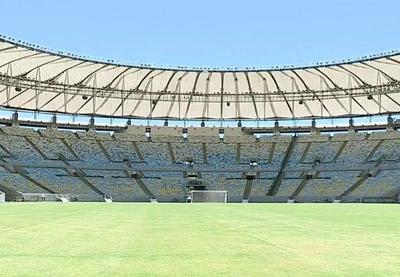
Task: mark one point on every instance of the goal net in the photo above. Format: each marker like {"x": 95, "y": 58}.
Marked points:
{"x": 209, "y": 196}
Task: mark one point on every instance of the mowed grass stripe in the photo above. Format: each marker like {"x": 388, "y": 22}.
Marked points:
{"x": 129, "y": 239}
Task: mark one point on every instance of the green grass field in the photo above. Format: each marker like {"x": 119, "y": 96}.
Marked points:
{"x": 98, "y": 239}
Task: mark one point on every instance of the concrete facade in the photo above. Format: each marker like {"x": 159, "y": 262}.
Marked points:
{"x": 2, "y": 197}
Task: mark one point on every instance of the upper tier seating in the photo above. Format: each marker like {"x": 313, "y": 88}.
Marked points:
{"x": 256, "y": 151}
{"x": 324, "y": 151}
{"x": 185, "y": 150}
{"x": 19, "y": 147}
{"x": 52, "y": 148}
{"x": 389, "y": 149}
{"x": 221, "y": 154}
{"x": 155, "y": 153}
{"x": 279, "y": 151}
{"x": 355, "y": 147}
{"x": 121, "y": 150}
{"x": 87, "y": 149}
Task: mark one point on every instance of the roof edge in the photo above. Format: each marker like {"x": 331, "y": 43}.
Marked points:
{"x": 33, "y": 47}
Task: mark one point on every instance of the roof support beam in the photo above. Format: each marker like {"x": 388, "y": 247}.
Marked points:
{"x": 80, "y": 83}
{"x": 323, "y": 107}
{"x": 38, "y": 66}
{"x": 19, "y": 59}
{"x": 206, "y": 104}
{"x": 237, "y": 98}
{"x": 148, "y": 85}
{"x": 388, "y": 77}
{"x": 133, "y": 91}
{"x": 31, "y": 79}
{"x": 222, "y": 97}
{"x": 98, "y": 91}
{"x": 267, "y": 91}
{"x": 177, "y": 93}
{"x": 281, "y": 93}
{"x": 251, "y": 94}
{"x": 153, "y": 103}
{"x": 339, "y": 88}
{"x": 191, "y": 95}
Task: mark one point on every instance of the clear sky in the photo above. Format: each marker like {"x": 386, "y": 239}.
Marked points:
{"x": 208, "y": 33}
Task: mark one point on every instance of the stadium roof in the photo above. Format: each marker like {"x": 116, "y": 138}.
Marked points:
{"x": 36, "y": 79}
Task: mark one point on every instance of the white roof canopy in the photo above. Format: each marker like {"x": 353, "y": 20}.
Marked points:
{"x": 32, "y": 78}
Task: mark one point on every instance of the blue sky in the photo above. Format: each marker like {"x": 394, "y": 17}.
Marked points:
{"x": 208, "y": 33}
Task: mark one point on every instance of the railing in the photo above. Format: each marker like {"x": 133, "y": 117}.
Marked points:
{"x": 45, "y": 197}
{"x": 24, "y": 83}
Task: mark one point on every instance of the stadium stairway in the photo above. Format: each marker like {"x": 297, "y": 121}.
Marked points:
{"x": 303, "y": 183}
{"x": 238, "y": 149}
{"x": 341, "y": 149}
{"x": 395, "y": 193}
{"x": 204, "y": 149}
{"x": 138, "y": 151}
{"x": 8, "y": 153}
{"x": 104, "y": 150}
{"x": 70, "y": 149}
{"x": 301, "y": 186}
{"x": 11, "y": 194}
{"x": 20, "y": 171}
{"x": 108, "y": 199}
{"x": 139, "y": 181}
{"x": 305, "y": 153}
{"x": 36, "y": 148}
{"x": 278, "y": 180}
{"x": 145, "y": 189}
{"x": 64, "y": 198}
{"x": 364, "y": 177}
{"x": 377, "y": 146}
{"x": 6, "y": 166}
{"x": 271, "y": 154}
{"x": 23, "y": 173}
{"x": 171, "y": 152}
{"x": 81, "y": 175}
{"x": 247, "y": 190}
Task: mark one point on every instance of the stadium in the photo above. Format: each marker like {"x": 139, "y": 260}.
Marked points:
{"x": 119, "y": 169}
{"x": 45, "y": 161}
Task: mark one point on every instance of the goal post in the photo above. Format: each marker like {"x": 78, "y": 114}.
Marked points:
{"x": 209, "y": 196}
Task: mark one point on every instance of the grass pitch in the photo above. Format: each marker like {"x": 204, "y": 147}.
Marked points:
{"x": 98, "y": 239}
